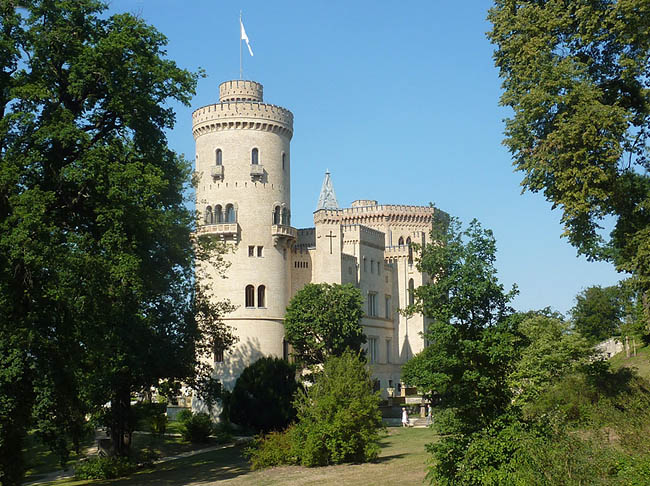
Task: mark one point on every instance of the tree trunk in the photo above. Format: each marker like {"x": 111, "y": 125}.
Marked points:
{"x": 120, "y": 422}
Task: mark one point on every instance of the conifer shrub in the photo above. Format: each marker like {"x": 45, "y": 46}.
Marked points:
{"x": 197, "y": 427}
{"x": 262, "y": 398}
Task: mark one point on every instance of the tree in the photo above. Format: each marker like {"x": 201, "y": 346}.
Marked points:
{"x": 598, "y": 312}
{"x": 576, "y": 75}
{"x": 323, "y": 320}
{"x": 473, "y": 343}
{"x": 338, "y": 416}
{"x": 263, "y": 395}
{"x": 97, "y": 294}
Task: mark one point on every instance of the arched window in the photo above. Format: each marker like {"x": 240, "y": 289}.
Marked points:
{"x": 208, "y": 215}
{"x": 218, "y": 157}
{"x": 411, "y": 290}
{"x": 218, "y": 214}
{"x": 261, "y": 291}
{"x": 284, "y": 159}
{"x": 288, "y": 218}
{"x": 255, "y": 156}
{"x": 401, "y": 241}
{"x": 250, "y": 296}
{"x": 230, "y": 214}
{"x": 285, "y": 216}
{"x": 276, "y": 215}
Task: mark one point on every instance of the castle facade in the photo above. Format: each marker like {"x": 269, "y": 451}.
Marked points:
{"x": 243, "y": 164}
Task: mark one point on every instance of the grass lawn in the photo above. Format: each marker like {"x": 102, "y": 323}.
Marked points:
{"x": 402, "y": 461}
{"x": 641, "y": 361}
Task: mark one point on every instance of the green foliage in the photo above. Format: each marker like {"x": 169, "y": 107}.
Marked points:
{"x": 472, "y": 343}
{"x": 273, "y": 449}
{"x": 576, "y": 76}
{"x": 552, "y": 349}
{"x": 197, "y": 427}
{"x": 263, "y": 395}
{"x": 103, "y": 468}
{"x": 323, "y": 320}
{"x": 338, "y": 416}
{"x": 98, "y": 296}
{"x": 598, "y": 312}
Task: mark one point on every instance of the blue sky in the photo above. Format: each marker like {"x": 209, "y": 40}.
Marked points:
{"x": 399, "y": 101}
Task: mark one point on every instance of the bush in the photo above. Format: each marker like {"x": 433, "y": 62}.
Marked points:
{"x": 151, "y": 416}
{"x": 263, "y": 395}
{"x": 184, "y": 415}
{"x": 197, "y": 427}
{"x": 103, "y": 468}
{"x": 273, "y": 449}
{"x": 338, "y": 416}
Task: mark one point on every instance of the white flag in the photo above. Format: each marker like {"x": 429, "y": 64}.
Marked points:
{"x": 245, "y": 37}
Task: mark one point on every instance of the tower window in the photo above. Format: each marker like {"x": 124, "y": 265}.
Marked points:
{"x": 261, "y": 291}
{"x": 230, "y": 214}
{"x": 372, "y": 266}
{"x": 218, "y": 213}
{"x": 276, "y": 215}
{"x": 208, "y": 215}
{"x": 372, "y": 304}
{"x": 411, "y": 292}
{"x": 251, "y": 251}
{"x": 255, "y": 156}
{"x": 285, "y": 216}
{"x": 372, "y": 350}
{"x": 400, "y": 242}
{"x": 408, "y": 242}
{"x": 218, "y": 157}
{"x": 259, "y": 251}
{"x": 250, "y": 296}
{"x": 218, "y": 354}
{"x": 284, "y": 158}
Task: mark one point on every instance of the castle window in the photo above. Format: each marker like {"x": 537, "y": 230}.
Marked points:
{"x": 259, "y": 251}
{"x": 218, "y": 157}
{"x": 372, "y": 266}
{"x": 389, "y": 345}
{"x": 372, "y": 304}
{"x": 255, "y": 157}
{"x": 401, "y": 241}
{"x": 389, "y": 310}
{"x": 218, "y": 354}
{"x": 408, "y": 242}
{"x": 208, "y": 215}
{"x": 251, "y": 251}
{"x": 230, "y": 214}
{"x": 411, "y": 292}
{"x": 372, "y": 350}
{"x": 250, "y": 296}
{"x": 284, "y": 158}
{"x": 261, "y": 290}
{"x": 285, "y": 216}
{"x": 365, "y": 269}
{"x": 378, "y": 268}
{"x": 276, "y": 215}
{"x": 218, "y": 214}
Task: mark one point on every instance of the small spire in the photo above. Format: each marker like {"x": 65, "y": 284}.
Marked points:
{"x": 327, "y": 198}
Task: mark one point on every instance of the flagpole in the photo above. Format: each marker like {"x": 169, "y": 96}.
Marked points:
{"x": 241, "y": 69}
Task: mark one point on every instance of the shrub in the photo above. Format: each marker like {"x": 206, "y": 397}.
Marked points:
{"x": 197, "y": 427}
{"x": 263, "y": 395}
{"x": 103, "y": 468}
{"x": 273, "y": 449}
{"x": 338, "y": 416}
{"x": 151, "y": 416}
{"x": 184, "y": 415}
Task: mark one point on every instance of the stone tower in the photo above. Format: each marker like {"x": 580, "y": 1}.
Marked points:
{"x": 243, "y": 166}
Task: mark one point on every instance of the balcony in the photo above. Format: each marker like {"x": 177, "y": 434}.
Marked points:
{"x": 216, "y": 171}
{"x": 257, "y": 172}
{"x": 220, "y": 229}
{"x": 283, "y": 234}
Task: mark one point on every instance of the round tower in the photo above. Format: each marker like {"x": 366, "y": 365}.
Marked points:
{"x": 243, "y": 197}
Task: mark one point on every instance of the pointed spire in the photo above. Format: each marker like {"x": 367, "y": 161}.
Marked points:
{"x": 327, "y": 198}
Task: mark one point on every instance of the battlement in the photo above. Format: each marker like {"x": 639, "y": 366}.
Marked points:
{"x": 250, "y": 115}
{"x": 240, "y": 90}
{"x": 364, "y": 235}
{"x": 306, "y": 238}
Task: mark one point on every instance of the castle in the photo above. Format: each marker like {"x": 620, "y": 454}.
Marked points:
{"x": 243, "y": 164}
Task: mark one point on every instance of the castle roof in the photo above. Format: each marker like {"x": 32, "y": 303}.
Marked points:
{"x": 327, "y": 198}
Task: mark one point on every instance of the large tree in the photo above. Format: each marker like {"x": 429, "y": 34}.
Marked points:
{"x": 97, "y": 295}
{"x": 472, "y": 337}
{"x": 598, "y": 313}
{"x": 577, "y": 76}
{"x": 323, "y": 320}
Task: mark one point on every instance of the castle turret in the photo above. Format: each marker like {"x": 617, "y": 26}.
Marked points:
{"x": 243, "y": 195}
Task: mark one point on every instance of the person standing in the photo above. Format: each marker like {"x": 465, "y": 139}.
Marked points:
{"x": 405, "y": 417}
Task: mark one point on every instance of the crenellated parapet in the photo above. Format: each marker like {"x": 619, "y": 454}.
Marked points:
{"x": 242, "y": 115}
{"x": 241, "y": 90}
{"x": 373, "y": 213}
{"x": 362, "y": 234}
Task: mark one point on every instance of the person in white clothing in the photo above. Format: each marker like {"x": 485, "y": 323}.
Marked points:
{"x": 405, "y": 417}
